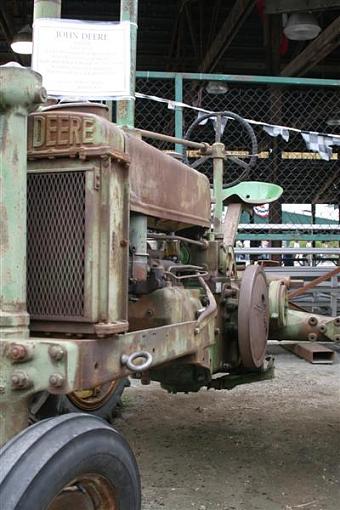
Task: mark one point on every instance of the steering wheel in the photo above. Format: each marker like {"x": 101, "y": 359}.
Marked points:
{"x": 229, "y": 115}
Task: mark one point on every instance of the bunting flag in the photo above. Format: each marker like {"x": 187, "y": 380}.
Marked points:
{"x": 320, "y": 143}
{"x": 277, "y": 131}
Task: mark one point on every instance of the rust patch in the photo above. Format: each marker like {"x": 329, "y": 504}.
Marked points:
{"x": 165, "y": 188}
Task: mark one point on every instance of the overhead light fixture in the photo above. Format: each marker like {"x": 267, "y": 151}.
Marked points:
{"x": 302, "y": 26}
{"x": 334, "y": 119}
{"x": 216, "y": 87}
{"x": 22, "y": 41}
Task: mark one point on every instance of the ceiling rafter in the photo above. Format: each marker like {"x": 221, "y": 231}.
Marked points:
{"x": 226, "y": 34}
{"x": 288, "y": 6}
{"x": 316, "y": 51}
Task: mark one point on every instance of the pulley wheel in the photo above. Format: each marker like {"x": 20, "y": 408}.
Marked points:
{"x": 253, "y": 317}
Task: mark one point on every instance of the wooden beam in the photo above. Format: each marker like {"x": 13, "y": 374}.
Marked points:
{"x": 288, "y": 6}
{"x": 272, "y": 32}
{"x": 191, "y": 30}
{"x": 226, "y": 34}
{"x": 317, "y": 50}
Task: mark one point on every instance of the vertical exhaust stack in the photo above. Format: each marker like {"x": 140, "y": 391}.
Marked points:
{"x": 20, "y": 93}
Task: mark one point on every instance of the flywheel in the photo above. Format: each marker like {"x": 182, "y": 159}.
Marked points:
{"x": 253, "y": 317}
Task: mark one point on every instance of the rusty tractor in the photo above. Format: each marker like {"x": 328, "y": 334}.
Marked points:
{"x": 112, "y": 266}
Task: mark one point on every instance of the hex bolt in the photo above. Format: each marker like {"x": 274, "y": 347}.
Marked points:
{"x": 20, "y": 380}
{"x": 337, "y": 321}
{"x": 312, "y": 321}
{"x": 196, "y": 331}
{"x": 17, "y": 352}
{"x": 323, "y": 328}
{"x": 56, "y": 352}
{"x": 56, "y": 380}
{"x": 312, "y": 337}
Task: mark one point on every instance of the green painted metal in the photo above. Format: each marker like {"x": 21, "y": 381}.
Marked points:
{"x": 252, "y": 192}
{"x": 179, "y": 112}
{"x": 20, "y": 92}
{"x": 35, "y": 371}
{"x": 250, "y": 79}
{"x": 47, "y": 9}
{"x": 298, "y": 327}
{"x": 126, "y": 108}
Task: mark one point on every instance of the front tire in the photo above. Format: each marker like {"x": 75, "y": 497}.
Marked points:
{"x": 69, "y": 462}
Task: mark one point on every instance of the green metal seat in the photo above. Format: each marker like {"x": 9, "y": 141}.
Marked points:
{"x": 252, "y": 192}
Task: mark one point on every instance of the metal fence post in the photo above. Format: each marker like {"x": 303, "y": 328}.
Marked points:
{"x": 47, "y": 9}
{"x": 126, "y": 108}
{"x": 179, "y": 111}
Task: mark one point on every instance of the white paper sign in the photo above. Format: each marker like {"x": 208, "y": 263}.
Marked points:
{"x": 82, "y": 59}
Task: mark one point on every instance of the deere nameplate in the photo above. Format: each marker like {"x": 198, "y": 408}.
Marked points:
{"x": 54, "y": 131}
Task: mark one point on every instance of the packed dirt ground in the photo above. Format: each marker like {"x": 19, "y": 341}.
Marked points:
{"x": 272, "y": 445}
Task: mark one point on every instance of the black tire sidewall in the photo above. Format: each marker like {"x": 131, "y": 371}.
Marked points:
{"x": 82, "y": 458}
{"x": 46, "y": 457}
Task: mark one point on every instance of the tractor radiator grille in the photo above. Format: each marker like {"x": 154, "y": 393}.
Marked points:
{"x": 56, "y": 245}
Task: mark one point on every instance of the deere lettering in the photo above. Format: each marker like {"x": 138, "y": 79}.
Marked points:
{"x": 60, "y": 130}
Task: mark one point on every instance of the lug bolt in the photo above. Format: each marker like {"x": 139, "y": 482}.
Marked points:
{"x": 20, "y": 380}
{"x": 312, "y": 321}
{"x": 56, "y": 352}
{"x": 56, "y": 380}
{"x": 17, "y": 352}
{"x": 312, "y": 337}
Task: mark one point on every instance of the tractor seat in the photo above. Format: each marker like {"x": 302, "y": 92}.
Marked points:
{"x": 252, "y": 192}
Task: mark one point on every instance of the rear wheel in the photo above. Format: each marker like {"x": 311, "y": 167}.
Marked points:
{"x": 69, "y": 462}
{"x": 101, "y": 401}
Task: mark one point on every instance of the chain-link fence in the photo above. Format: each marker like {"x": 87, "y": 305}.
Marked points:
{"x": 310, "y": 202}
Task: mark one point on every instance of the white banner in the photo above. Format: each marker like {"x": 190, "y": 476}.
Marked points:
{"x": 80, "y": 59}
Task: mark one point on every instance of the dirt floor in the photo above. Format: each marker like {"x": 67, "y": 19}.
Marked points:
{"x": 271, "y": 445}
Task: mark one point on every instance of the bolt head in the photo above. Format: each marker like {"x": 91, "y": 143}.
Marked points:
{"x": 56, "y": 352}
{"x": 17, "y": 352}
{"x": 312, "y": 337}
{"x": 56, "y": 380}
{"x": 20, "y": 380}
{"x": 312, "y": 321}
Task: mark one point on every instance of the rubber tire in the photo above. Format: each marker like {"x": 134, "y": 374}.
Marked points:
{"x": 44, "y": 458}
{"x": 56, "y": 405}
